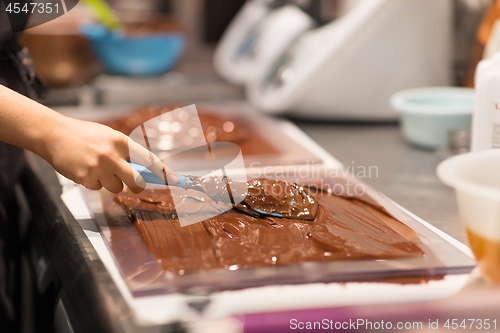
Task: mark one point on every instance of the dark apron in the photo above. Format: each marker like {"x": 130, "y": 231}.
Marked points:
{"x": 16, "y": 72}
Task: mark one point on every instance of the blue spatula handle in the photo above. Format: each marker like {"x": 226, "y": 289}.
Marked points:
{"x": 151, "y": 178}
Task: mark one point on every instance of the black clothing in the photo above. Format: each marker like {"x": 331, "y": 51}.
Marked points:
{"x": 16, "y": 70}
{"x": 17, "y": 74}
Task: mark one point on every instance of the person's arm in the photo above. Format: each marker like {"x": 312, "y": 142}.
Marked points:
{"x": 88, "y": 153}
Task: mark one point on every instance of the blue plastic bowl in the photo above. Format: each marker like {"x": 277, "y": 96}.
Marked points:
{"x": 134, "y": 55}
{"x": 429, "y": 114}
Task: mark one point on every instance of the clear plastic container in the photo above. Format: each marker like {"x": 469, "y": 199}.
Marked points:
{"x": 476, "y": 179}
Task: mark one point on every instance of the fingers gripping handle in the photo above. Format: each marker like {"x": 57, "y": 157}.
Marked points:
{"x": 150, "y": 177}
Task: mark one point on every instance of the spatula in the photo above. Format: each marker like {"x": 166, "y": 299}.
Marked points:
{"x": 105, "y": 14}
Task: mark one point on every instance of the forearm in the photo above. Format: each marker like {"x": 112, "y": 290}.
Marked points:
{"x": 25, "y": 123}
{"x": 91, "y": 154}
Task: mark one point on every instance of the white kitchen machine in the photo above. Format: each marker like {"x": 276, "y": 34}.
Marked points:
{"x": 345, "y": 69}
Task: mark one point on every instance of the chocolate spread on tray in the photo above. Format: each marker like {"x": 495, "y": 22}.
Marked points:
{"x": 279, "y": 198}
{"x": 340, "y": 228}
{"x": 216, "y": 128}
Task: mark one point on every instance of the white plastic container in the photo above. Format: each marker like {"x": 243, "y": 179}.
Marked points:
{"x": 486, "y": 118}
{"x": 349, "y": 68}
{"x": 476, "y": 179}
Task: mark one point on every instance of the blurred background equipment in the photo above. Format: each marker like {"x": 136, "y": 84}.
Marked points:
{"x": 217, "y": 15}
{"x": 136, "y": 45}
{"x": 351, "y": 44}
{"x": 61, "y": 55}
{"x": 340, "y": 70}
{"x": 487, "y": 39}
{"x": 256, "y": 38}
{"x": 486, "y": 120}
{"x": 105, "y": 14}
{"x": 139, "y": 48}
{"x": 432, "y": 117}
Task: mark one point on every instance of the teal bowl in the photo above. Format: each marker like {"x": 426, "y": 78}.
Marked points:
{"x": 428, "y": 115}
{"x": 134, "y": 55}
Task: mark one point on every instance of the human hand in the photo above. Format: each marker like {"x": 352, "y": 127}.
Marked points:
{"x": 95, "y": 156}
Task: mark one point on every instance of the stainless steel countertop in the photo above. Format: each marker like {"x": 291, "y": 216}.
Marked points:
{"x": 405, "y": 174}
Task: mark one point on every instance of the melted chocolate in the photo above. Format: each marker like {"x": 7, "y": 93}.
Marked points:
{"x": 342, "y": 229}
{"x": 215, "y": 128}
{"x": 259, "y": 196}
{"x": 279, "y": 198}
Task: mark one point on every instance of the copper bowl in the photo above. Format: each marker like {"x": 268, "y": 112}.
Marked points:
{"x": 61, "y": 56}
